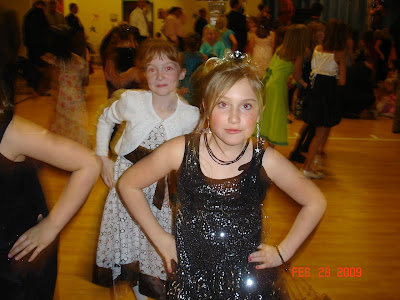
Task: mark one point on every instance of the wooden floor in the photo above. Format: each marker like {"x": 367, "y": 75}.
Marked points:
{"x": 360, "y": 228}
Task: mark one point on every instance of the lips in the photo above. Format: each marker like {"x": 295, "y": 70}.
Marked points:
{"x": 232, "y": 131}
{"x": 161, "y": 85}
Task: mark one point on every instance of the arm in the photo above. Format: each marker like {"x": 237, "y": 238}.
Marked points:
{"x": 341, "y": 60}
{"x": 350, "y": 49}
{"x": 24, "y": 138}
{"x": 297, "y": 74}
{"x": 160, "y": 162}
{"x": 302, "y": 190}
{"x": 112, "y": 115}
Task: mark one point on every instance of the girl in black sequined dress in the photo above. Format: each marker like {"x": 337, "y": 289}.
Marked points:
{"x": 28, "y": 231}
{"x": 223, "y": 175}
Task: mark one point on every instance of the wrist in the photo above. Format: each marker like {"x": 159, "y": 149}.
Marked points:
{"x": 104, "y": 158}
{"x": 278, "y": 250}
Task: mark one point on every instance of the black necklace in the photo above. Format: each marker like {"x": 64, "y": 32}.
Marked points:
{"x": 223, "y": 162}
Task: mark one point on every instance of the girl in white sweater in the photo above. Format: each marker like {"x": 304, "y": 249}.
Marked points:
{"x": 152, "y": 117}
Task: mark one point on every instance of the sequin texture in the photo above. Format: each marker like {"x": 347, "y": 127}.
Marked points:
{"x": 217, "y": 226}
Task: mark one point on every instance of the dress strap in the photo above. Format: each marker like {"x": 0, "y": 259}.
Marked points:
{"x": 7, "y": 117}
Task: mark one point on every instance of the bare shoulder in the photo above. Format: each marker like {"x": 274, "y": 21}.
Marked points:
{"x": 271, "y": 157}
{"x": 24, "y": 138}
{"x": 172, "y": 152}
{"x": 318, "y": 48}
{"x": 18, "y": 136}
{"x": 277, "y": 166}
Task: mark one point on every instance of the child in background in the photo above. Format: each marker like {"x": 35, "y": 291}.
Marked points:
{"x": 288, "y": 59}
{"x": 192, "y": 60}
{"x": 227, "y": 36}
{"x": 71, "y": 116}
{"x": 152, "y": 117}
{"x": 223, "y": 175}
{"x": 316, "y": 31}
{"x": 322, "y": 104}
{"x": 261, "y": 45}
{"x": 118, "y": 53}
{"x": 251, "y": 25}
{"x": 212, "y": 46}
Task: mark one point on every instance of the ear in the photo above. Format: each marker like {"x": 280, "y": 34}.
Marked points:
{"x": 182, "y": 75}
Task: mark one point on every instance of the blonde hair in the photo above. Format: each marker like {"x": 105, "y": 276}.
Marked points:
{"x": 155, "y": 48}
{"x": 213, "y": 80}
{"x": 295, "y": 42}
{"x": 210, "y": 27}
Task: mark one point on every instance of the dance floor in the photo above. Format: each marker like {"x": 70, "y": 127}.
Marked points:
{"x": 353, "y": 253}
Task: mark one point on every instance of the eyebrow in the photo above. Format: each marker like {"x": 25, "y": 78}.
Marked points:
{"x": 242, "y": 100}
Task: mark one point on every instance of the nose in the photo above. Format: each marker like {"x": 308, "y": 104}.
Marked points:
{"x": 160, "y": 75}
{"x": 234, "y": 116}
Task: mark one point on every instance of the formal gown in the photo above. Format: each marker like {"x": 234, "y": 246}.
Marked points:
{"x": 275, "y": 93}
{"x": 218, "y": 225}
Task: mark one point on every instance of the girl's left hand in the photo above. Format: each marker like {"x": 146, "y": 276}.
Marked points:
{"x": 37, "y": 238}
{"x": 266, "y": 256}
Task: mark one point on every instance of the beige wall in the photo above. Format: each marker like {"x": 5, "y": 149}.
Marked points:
{"x": 95, "y": 14}
{"x": 20, "y": 7}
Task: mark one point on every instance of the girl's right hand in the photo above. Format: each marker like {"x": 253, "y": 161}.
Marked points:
{"x": 107, "y": 171}
{"x": 266, "y": 257}
{"x": 167, "y": 247}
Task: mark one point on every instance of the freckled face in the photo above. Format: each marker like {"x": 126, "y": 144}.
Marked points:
{"x": 235, "y": 116}
{"x": 163, "y": 75}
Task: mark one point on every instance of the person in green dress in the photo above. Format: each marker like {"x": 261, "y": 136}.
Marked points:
{"x": 287, "y": 60}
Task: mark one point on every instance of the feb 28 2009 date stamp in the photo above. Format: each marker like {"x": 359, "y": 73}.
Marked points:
{"x": 323, "y": 272}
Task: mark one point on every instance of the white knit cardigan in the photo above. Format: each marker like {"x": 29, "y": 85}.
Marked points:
{"x": 136, "y": 108}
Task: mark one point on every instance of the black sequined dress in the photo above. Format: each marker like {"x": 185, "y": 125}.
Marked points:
{"x": 218, "y": 224}
{"x": 21, "y": 202}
